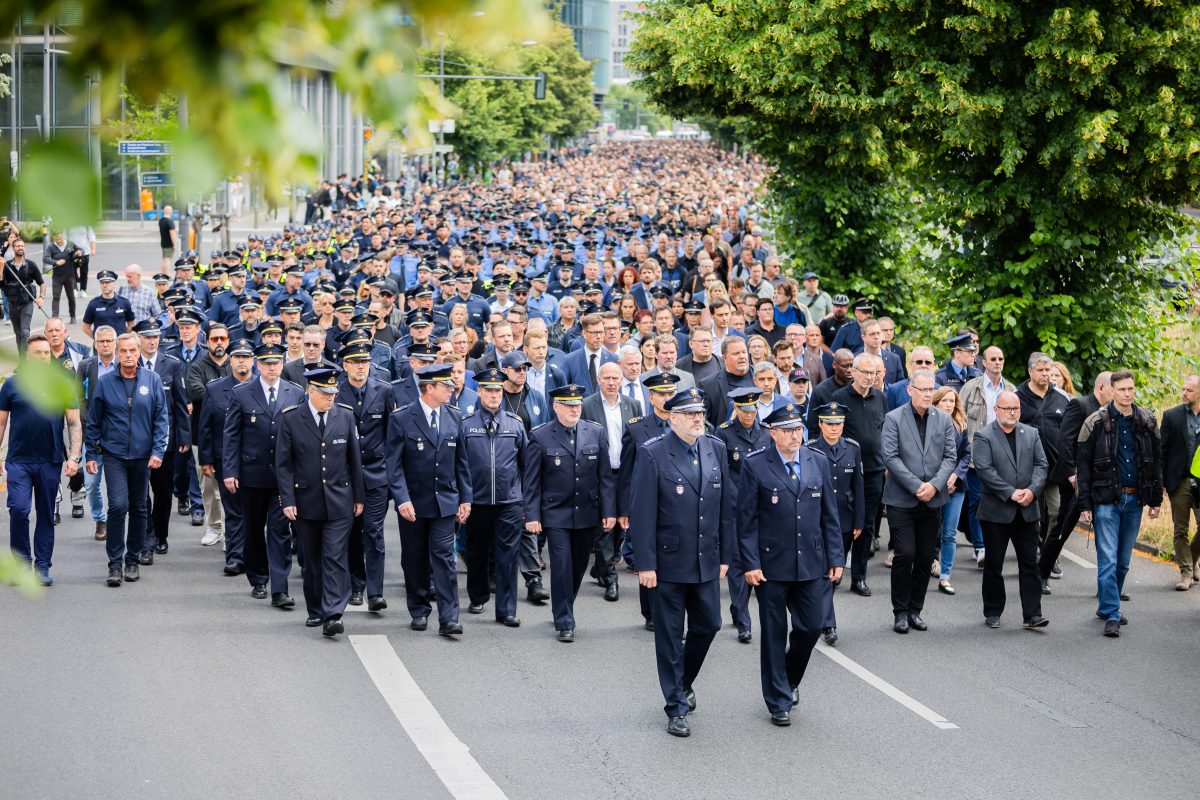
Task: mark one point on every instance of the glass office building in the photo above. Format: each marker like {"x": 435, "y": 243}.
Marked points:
{"x": 590, "y": 21}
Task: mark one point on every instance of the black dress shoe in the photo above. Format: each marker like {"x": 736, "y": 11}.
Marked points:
{"x": 452, "y": 628}
{"x": 992, "y": 622}
{"x": 689, "y": 694}
{"x": 475, "y": 608}
{"x": 861, "y": 588}
{"x": 1125, "y": 598}
{"x": 197, "y": 519}
{"x": 1036, "y": 622}
{"x": 745, "y": 637}
{"x": 781, "y": 718}
{"x": 312, "y": 622}
{"x": 1124, "y": 621}
{"x": 1046, "y": 587}
{"x": 837, "y": 583}
{"x": 1112, "y": 628}
{"x": 901, "y": 625}
{"x": 611, "y": 593}
{"x": 114, "y": 577}
{"x": 282, "y": 600}
{"x": 916, "y": 623}
{"x": 332, "y": 627}
{"x": 795, "y": 695}
{"x": 648, "y": 625}
{"x": 509, "y": 622}
{"x": 567, "y": 635}
{"x": 830, "y": 636}
{"x": 356, "y": 598}
{"x": 161, "y": 548}
{"x": 57, "y": 517}
{"x": 538, "y": 593}
{"x": 234, "y": 569}
{"x": 131, "y": 573}
{"x": 76, "y": 512}
{"x": 259, "y": 592}
{"x": 419, "y": 623}
{"x": 376, "y": 603}
{"x": 185, "y": 508}
{"x": 678, "y": 727}
{"x": 146, "y": 558}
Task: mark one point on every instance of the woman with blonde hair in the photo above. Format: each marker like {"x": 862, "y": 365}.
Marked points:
{"x": 1060, "y": 376}
{"x": 759, "y": 349}
{"x": 946, "y": 399}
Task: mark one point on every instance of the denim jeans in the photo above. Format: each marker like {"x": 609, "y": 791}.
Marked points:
{"x": 128, "y": 483}
{"x": 91, "y": 485}
{"x": 31, "y": 488}
{"x": 951, "y": 512}
{"x": 1116, "y": 527}
{"x": 974, "y": 493}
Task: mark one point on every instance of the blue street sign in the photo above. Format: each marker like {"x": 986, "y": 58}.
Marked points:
{"x": 147, "y": 148}
{"x": 156, "y": 179}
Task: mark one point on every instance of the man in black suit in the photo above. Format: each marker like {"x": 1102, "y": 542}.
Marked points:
{"x": 1011, "y": 463}
{"x": 1180, "y": 432}
{"x": 321, "y": 491}
{"x": 312, "y": 344}
{"x": 614, "y": 411}
{"x": 1078, "y": 409}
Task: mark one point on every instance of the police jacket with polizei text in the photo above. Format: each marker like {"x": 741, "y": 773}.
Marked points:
{"x": 1096, "y": 454}
{"x": 496, "y": 452}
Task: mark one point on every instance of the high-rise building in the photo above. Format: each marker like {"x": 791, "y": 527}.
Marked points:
{"x": 624, "y": 28}
{"x": 589, "y": 21}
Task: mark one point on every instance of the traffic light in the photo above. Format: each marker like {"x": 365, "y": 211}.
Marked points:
{"x": 539, "y": 86}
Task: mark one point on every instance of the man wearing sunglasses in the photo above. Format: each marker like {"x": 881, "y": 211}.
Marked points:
{"x": 312, "y": 346}
{"x": 211, "y": 364}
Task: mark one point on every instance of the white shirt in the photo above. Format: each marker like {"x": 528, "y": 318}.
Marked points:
{"x": 615, "y": 424}
{"x": 427, "y": 411}
{"x": 266, "y": 388}
{"x": 536, "y": 378}
{"x": 317, "y": 419}
{"x": 991, "y": 391}
{"x": 634, "y": 394}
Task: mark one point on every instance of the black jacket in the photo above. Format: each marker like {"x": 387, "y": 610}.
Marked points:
{"x": 1097, "y": 479}
{"x": 1078, "y": 409}
{"x": 1046, "y": 414}
{"x": 1176, "y": 454}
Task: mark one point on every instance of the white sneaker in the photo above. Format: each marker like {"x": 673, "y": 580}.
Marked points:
{"x": 211, "y": 537}
{"x": 979, "y": 559}
{"x": 83, "y": 294}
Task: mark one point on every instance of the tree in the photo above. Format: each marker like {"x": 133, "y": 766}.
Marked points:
{"x": 1042, "y": 149}
{"x": 632, "y": 108}
{"x": 568, "y": 81}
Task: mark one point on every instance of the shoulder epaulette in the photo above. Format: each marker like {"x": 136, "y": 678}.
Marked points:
{"x": 851, "y": 441}
{"x": 653, "y": 439}
{"x": 508, "y": 413}
{"x": 346, "y": 406}
{"x": 756, "y": 452}
{"x": 725, "y": 424}
{"x": 290, "y": 408}
{"x": 633, "y": 420}
{"x": 403, "y": 407}
{"x": 539, "y": 427}
{"x": 171, "y": 357}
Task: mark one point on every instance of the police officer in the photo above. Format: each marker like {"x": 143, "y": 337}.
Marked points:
{"x": 569, "y": 492}
{"x": 179, "y": 440}
{"x": 127, "y": 428}
{"x": 248, "y": 461}
{"x": 742, "y": 435}
{"x": 846, "y": 472}
{"x": 495, "y": 441}
{"x": 961, "y": 367}
{"x": 640, "y": 430}
{"x": 789, "y": 544}
{"x": 320, "y": 474}
{"x": 217, "y": 396}
{"x": 370, "y": 400}
{"x": 681, "y": 521}
{"x": 431, "y": 486}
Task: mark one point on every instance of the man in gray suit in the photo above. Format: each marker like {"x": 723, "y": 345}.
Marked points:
{"x": 667, "y": 352}
{"x": 614, "y": 411}
{"x": 1011, "y": 463}
{"x": 919, "y": 452}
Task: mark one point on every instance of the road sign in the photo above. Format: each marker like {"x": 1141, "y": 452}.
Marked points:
{"x": 156, "y": 179}
{"x": 143, "y": 148}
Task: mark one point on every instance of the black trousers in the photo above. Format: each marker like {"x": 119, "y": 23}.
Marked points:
{"x": 63, "y": 278}
{"x": 494, "y": 532}
{"x": 914, "y": 534}
{"x": 1024, "y": 538}
{"x": 427, "y": 553}
{"x": 161, "y": 500}
{"x": 1068, "y": 518}
{"x": 366, "y": 546}
{"x": 570, "y": 549}
{"x": 783, "y": 656}
{"x": 267, "y": 539}
{"x": 679, "y": 661}
{"x": 873, "y": 512}
{"x": 326, "y": 573}
{"x": 81, "y": 275}
{"x": 604, "y": 570}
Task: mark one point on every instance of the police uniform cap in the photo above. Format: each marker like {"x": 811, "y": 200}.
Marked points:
{"x": 258, "y": 267}
{"x": 831, "y": 412}
{"x": 963, "y": 342}
{"x": 360, "y": 351}
{"x": 183, "y": 263}
{"x": 570, "y": 395}
{"x": 463, "y": 277}
{"x": 177, "y": 300}
{"x": 593, "y": 288}
{"x": 424, "y": 352}
{"x": 266, "y": 287}
{"x": 661, "y": 382}
{"x": 745, "y": 396}
{"x": 424, "y": 267}
{"x": 863, "y": 304}
{"x": 418, "y": 319}
{"x": 540, "y": 277}
{"x": 162, "y": 277}
{"x": 520, "y": 287}
{"x": 435, "y": 373}
{"x": 685, "y": 401}
{"x": 248, "y": 301}
{"x": 500, "y": 283}
{"x": 422, "y": 291}
{"x": 147, "y": 327}
{"x": 693, "y": 307}
{"x": 106, "y": 276}
{"x": 323, "y": 379}
{"x": 491, "y": 378}
{"x": 290, "y": 304}
{"x": 352, "y": 336}
{"x": 785, "y": 417}
{"x": 188, "y": 316}
{"x": 389, "y": 287}
{"x": 363, "y": 320}
{"x": 660, "y": 291}
{"x": 242, "y": 347}
{"x": 270, "y": 352}
{"x": 344, "y": 307}
{"x": 293, "y": 269}
{"x": 270, "y": 326}
{"x": 346, "y": 291}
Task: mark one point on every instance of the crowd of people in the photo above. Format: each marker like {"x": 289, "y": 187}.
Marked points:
{"x": 598, "y": 364}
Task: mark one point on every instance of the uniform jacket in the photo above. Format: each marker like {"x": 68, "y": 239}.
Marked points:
{"x": 201, "y": 372}
{"x": 293, "y": 371}
{"x": 910, "y": 463}
{"x": 211, "y": 421}
{"x": 170, "y": 370}
{"x": 638, "y": 431}
{"x": 116, "y": 428}
{"x": 320, "y": 475}
{"x": 434, "y": 476}
{"x": 682, "y": 529}
{"x": 496, "y": 455}
{"x": 251, "y": 432}
{"x": 1001, "y": 475}
{"x": 569, "y": 486}
{"x": 846, "y": 473}
{"x": 789, "y": 529}
{"x": 372, "y": 424}
{"x": 740, "y": 442}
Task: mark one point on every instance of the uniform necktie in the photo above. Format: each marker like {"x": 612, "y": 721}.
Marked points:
{"x": 145, "y": 363}
{"x": 695, "y": 457}
{"x": 793, "y": 470}
{"x": 321, "y": 423}
{"x": 592, "y": 368}
{"x": 271, "y": 398}
{"x": 433, "y": 423}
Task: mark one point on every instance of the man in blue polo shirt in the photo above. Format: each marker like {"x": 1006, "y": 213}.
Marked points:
{"x": 107, "y": 309}
{"x": 35, "y": 462}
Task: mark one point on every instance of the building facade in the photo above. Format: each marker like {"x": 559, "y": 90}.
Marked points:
{"x": 590, "y": 22}
{"x": 624, "y": 26}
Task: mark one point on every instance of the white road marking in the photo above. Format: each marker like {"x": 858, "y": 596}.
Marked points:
{"x": 451, "y": 760}
{"x": 1083, "y": 562}
{"x": 858, "y": 670}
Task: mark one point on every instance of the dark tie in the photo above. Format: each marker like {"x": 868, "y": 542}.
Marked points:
{"x": 321, "y": 423}
{"x": 695, "y": 457}
{"x": 491, "y": 425}
{"x": 271, "y": 398}
{"x": 145, "y": 363}
{"x": 793, "y": 470}
{"x": 433, "y": 423}
{"x": 592, "y": 368}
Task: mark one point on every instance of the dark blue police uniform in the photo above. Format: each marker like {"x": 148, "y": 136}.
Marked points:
{"x": 846, "y": 474}
{"x": 171, "y": 371}
{"x": 217, "y": 396}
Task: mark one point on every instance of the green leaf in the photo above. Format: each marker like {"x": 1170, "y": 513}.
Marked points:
{"x": 57, "y": 181}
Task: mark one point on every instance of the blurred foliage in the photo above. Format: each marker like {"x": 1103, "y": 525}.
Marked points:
{"x": 630, "y": 108}
{"x": 224, "y": 57}
{"x": 1018, "y": 161}
{"x": 15, "y": 572}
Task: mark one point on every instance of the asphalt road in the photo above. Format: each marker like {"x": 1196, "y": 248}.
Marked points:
{"x": 182, "y": 685}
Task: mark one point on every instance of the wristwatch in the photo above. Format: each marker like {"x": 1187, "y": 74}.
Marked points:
{"x": 78, "y": 459}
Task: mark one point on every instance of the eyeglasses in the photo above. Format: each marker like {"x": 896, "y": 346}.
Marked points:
{"x": 518, "y": 369}
{"x": 218, "y": 338}
{"x": 920, "y": 361}
{"x": 870, "y": 373}
{"x": 1009, "y": 409}
{"x": 930, "y": 390}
